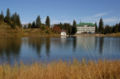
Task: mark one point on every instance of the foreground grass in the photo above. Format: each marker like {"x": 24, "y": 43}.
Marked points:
{"x": 63, "y": 70}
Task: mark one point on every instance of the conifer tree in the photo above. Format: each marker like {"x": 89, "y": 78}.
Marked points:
{"x": 7, "y": 18}
{"x": 101, "y": 29}
{"x": 74, "y": 27}
{"x": 8, "y": 13}
{"x": 96, "y": 29}
{"x": 1, "y": 16}
{"x": 116, "y": 28}
{"x": 38, "y": 22}
{"x": 107, "y": 29}
{"x": 33, "y": 25}
{"x": 74, "y": 23}
{"x": 119, "y": 27}
{"x": 16, "y": 20}
{"x": 47, "y": 21}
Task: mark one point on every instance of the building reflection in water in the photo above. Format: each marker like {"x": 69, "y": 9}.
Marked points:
{"x": 40, "y": 48}
{"x": 86, "y": 43}
{"x": 82, "y": 43}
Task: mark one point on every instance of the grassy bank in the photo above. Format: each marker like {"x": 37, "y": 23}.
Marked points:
{"x": 38, "y": 33}
{"x": 19, "y": 32}
{"x": 63, "y": 70}
{"x": 100, "y": 35}
{"x": 6, "y": 32}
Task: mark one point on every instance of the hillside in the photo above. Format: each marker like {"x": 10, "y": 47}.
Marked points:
{"x": 6, "y": 31}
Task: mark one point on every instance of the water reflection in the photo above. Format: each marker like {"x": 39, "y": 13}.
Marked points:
{"x": 86, "y": 43}
{"x": 38, "y": 43}
{"x": 49, "y": 49}
{"x": 101, "y": 43}
{"x": 74, "y": 43}
{"x": 10, "y": 49}
{"x": 48, "y": 46}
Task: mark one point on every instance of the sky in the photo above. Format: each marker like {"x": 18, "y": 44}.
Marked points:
{"x": 65, "y": 10}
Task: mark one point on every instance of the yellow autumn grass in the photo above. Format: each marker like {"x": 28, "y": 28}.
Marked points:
{"x": 63, "y": 70}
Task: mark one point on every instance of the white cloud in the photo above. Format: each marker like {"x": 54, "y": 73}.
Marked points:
{"x": 111, "y": 20}
{"x": 93, "y": 18}
{"x": 62, "y": 21}
{"x": 100, "y": 14}
{"x": 96, "y": 18}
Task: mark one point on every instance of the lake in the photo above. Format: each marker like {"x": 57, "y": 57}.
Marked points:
{"x": 38, "y": 49}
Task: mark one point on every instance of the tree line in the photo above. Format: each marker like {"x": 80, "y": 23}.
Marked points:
{"x": 12, "y": 20}
{"x": 68, "y": 28}
{"x": 107, "y": 28}
{"x": 38, "y": 24}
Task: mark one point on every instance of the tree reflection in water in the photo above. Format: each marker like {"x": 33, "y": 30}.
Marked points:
{"x": 48, "y": 46}
{"x": 74, "y": 44}
{"x": 10, "y": 49}
{"x": 38, "y": 43}
{"x": 101, "y": 43}
{"x": 50, "y": 49}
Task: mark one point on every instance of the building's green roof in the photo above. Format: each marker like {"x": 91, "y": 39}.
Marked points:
{"x": 88, "y": 24}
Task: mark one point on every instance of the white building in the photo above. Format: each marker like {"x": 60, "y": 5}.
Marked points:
{"x": 63, "y": 33}
{"x": 85, "y": 28}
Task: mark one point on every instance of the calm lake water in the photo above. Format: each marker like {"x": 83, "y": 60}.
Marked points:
{"x": 29, "y": 50}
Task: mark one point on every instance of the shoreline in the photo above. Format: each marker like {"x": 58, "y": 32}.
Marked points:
{"x": 100, "y": 35}
{"x": 10, "y": 33}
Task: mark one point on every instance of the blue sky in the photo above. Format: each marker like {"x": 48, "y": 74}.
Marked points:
{"x": 65, "y": 10}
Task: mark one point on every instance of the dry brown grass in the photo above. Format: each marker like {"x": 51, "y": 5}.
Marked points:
{"x": 7, "y": 32}
{"x": 63, "y": 70}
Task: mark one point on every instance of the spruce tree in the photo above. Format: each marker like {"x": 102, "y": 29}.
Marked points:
{"x": 119, "y": 27}
{"x": 74, "y": 27}
{"x": 67, "y": 28}
{"x": 1, "y": 16}
{"x": 96, "y": 29}
{"x": 47, "y": 21}
{"x": 18, "y": 21}
{"x": 74, "y": 23}
{"x": 116, "y": 28}
{"x": 33, "y": 25}
{"x": 14, "y": 17}
{"x": 7, "y": 18}
{"x": 101, "y": 29}
{"x": 8, "y": 13}
{"x": 38, "y": 22}
{"x": 107, "y": 29}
